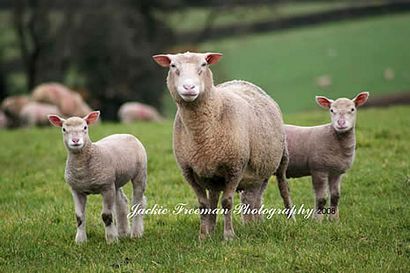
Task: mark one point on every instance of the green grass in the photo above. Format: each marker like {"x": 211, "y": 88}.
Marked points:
{"x": 195, "y": 18}
{"x": 37, "y": 223}
{"x": 354, "y": 54}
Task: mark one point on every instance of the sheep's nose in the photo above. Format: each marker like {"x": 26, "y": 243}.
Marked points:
{"x": 75, "y": 140}
{"x": 341, "y": 122}
{"x": 188, "y": 87}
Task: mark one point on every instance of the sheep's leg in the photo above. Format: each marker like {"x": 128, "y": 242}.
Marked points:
{"x": 232, "y": 183}
{"x": 319, "y": 180}
{"x": 138, "y": 200}
{"x": 202, "y": 200}
{"x": 248, "y": 198}
{"x": 121, "y": 211}
{"x": 111, "y": 233}
{"x": 213, "y": 204}
{"x": 80, "y": 201}
{"x": 259, "y": 199}
{"x": 334, "y": 188}
{"x": 283, "y": 184}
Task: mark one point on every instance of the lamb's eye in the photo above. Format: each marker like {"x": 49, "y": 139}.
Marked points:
{"x": 64, "y": 130}
{"x": 203, "y": 64}
{"x": 352, "y": 109}
{"x": 331, "y": 110}
{"x": 173, "y": 65}
{"x": 85, "y": 127}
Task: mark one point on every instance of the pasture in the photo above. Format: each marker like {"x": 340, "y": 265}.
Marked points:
{"x": 353, "y": 54}
{"x": 37, "y": 222}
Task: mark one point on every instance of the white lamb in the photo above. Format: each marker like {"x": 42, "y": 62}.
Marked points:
{"x": 103, "y": 168}
{"x": 325, "y": 152}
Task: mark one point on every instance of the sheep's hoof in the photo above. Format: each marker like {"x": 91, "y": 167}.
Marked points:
{"x": 318, "y": 217}
{"x": 123, "y": 234}
{"x": 334, "y": 217}
{"x": 291, "y": 218}
{"x": 112, "y": 240}
{"x": 111, "y": 237}
{"x": 211, "y": 228}
{"x": 80, "y": 237}
{"x": 203, "y": 236}
{"x": 247, "y": 218}
{"x": 136, "y": 234}
{"x": 137, "y": 230}
{"x": 229, "y": 235}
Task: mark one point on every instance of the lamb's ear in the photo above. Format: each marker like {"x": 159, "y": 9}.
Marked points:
{"x": 213, "y": 58}
{"x": 361, "y": 98}
{"x": 56, "y": 120}
{"x": 324, "y": 102}
{"x": 92, "y": 117}
{"x": 162, "y": 59}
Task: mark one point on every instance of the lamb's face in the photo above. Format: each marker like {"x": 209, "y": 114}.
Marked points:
{"x": 75, "y": 133}
{"x": 343, "y": 114}
{"x": 189, "y": 75}
{"x": 75, "y": 129}
{"x": 343, "y": 111}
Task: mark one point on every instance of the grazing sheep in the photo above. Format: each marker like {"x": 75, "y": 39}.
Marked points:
{"x": 69, "y": 102}
{"x": 35, "y": 113}
{"x": 133, "y": 111}
{"x": 3, "y": 120}
{"x": 325, "y": 152}
{"x": 227, "y": 138}
{"x": 11, "y": 107}
{"x": 103, "y": 168}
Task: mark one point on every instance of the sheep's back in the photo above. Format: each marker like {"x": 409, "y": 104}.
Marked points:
{"x": 265, "y": 126}
{"x": 126, "y": 154}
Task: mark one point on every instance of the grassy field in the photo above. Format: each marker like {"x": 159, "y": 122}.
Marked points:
{"x": 286, "y": 64}
{"x": 196, "y": 18}
{"x": 354, "y": 54}
{"x": 37, "y": 223}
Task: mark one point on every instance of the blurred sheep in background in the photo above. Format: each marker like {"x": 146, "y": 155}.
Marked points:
{"x": 134, "y": 111}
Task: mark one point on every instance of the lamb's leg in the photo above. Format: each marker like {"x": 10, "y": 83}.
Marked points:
{"x": 80, "y": 201}
{"x": 121, "y": 211}
{"x": 138, "y": 199}
{"x": 334, "y": 188}
{"x": 319, "y": 181}
{"x": 232, "y": 183}
{"x": 282, "y": 182}
{"x": 111, "y": 233}
{"x": 213, "y": 204}
{"x": 202, "y": 200}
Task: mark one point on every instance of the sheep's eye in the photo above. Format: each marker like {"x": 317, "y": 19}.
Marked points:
{"x": 85, "y": 127}
{"x": 173, "y": 65}
{"x": 352, "y": 109}
{"x": 64, "y": 130}
{"x": 331, "y": 110}
{"x": 203, "y": 64}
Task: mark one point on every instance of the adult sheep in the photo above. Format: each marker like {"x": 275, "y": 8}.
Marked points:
{"x": 134, "y": 111}
{"x": 12, "y": 106}
{"x": 68, "y": 102}
{"x": 227, "y": 138}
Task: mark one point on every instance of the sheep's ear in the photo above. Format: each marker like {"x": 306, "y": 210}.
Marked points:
{"x": 361, "y": 98}
{"x": 56, "y": 120}
{"x": 162, "y": 59}
{"x": 212, "y": 58}
{"x": 92, "y": 117}
{"x": 324, "y": 102}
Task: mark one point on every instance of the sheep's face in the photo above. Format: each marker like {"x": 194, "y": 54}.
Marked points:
{"x": 75, "y": 130}
{"x": 189, "y": 75}
{"x": 343, "y": 111}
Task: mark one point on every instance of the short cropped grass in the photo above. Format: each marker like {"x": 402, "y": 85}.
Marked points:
{"x": 37, "y": 223}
